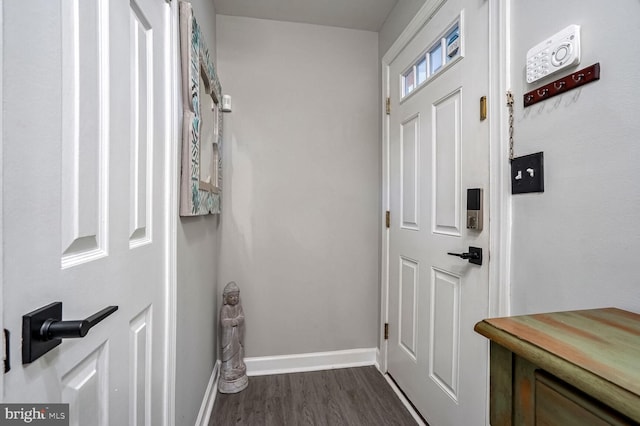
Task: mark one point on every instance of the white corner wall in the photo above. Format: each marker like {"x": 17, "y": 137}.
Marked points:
{"x": 300, "y": 220}
{"x": 198, "y": 245}
{"x": 576, "y": 245}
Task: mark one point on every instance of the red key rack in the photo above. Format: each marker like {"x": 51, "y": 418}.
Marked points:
{"x": 562, "y": 85}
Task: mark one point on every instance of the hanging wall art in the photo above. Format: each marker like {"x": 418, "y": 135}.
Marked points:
{"x": 201, "y": 176}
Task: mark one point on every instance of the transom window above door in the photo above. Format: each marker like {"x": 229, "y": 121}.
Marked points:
{"x": 442, "y": 52}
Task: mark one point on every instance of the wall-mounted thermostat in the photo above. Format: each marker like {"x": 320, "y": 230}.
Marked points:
{"x": 559, "y": 51}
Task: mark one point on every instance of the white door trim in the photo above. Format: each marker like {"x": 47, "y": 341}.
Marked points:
{"x": 2, "y": 346}
{"x": 499, "y": 177}
{"x": 172, "y": 146}
{"x": 499, "y": 167}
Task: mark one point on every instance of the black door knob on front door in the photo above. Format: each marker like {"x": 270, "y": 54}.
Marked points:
{"x": 43, "y": 329}
{"x": 474, "y": 255}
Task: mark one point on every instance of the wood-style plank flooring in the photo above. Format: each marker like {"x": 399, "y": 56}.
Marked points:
{"x": 350, "y": 396}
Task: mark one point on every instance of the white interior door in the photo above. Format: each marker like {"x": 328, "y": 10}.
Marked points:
{"x": 438, "y": 148}
{"x": 84, "y": 139}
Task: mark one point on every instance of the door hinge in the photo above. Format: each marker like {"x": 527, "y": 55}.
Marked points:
{"x": 388, "y": 106}
{"x": 387, "y": 219}
{"x": 386, "y": 331}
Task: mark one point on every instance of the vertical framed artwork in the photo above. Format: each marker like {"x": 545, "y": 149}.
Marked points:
{"x": 201, "y": 176}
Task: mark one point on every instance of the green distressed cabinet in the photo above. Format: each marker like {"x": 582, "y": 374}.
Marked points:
{"x": 575, "y": 368}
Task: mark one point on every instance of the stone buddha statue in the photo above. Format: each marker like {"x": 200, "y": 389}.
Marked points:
{"x": 233, "y": 375}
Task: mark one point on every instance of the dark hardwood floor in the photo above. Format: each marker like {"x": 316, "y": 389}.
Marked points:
{"x": 350, "y": 396}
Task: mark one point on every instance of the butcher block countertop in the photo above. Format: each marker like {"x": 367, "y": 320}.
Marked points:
{"x": 597, "y": 350}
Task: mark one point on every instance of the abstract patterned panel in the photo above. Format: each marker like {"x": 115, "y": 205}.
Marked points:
{"x": 197, "y": 197}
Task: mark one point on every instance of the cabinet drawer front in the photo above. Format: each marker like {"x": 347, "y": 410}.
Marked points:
{"x": 559, "y": 404}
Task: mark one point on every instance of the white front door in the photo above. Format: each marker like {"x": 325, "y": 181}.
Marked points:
{"x": 85, "y": 201}
{"x": 438, "y": 148}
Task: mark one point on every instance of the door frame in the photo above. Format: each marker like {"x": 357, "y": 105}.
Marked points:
{"x": 173, "y": 143}
{"x": 499, "y": 218}
{"x": 4, "y": 343}
{"x": 170, "y": 185}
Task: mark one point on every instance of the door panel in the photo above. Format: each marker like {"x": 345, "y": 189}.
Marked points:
{"x": 84, "y": 50}
{"x": 140, "y": 352}
{"x": 446, "y": 164}
{"x": 408, "y": 305}
{"x": 438, "y": 148}
{"x": 141, "y": 157}
{"x": 410, "y": 168}
{"x": 86, "y": 389}
{"x": 85, "y": 196}
{"x": 444, "y": 333}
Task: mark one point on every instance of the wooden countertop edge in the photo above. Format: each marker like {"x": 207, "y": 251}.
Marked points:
{"x": 609, "y": 393}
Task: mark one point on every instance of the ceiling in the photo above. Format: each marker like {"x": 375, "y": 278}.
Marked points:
{"x": 356, "y": 14}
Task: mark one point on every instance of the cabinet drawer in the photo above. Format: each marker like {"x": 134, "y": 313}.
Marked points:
{"x": 559, "y": 404}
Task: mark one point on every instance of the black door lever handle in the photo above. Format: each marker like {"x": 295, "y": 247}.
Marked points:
{"x": 466, "y": 255}
{"x": 474, "y": 255}
{"x": 43, "y": 329}
{"x": 55, "y": 329}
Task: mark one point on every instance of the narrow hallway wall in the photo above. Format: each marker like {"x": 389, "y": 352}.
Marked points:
{"x": 300, "y": 226}
{"x": 198, "y": 249}
{"x": 575, "y": 245}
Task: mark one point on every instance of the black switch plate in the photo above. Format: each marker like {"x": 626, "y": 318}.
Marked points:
{"x": 527, "y": 174}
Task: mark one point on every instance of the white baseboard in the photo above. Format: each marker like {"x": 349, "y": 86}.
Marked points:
{"x": 204, "y": 415}
{"x": 262, "y": 366}
{"x": 378, "y": 363}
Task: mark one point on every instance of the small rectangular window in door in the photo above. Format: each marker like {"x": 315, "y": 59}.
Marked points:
{"x": 409, "y": 81}
{"x": 439, "y": 54}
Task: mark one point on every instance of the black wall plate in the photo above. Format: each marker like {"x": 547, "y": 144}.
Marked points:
{"x": 32, "y": 345}
{"x": 527, "y": 174}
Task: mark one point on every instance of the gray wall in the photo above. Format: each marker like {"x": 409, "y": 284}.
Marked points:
{"x": 576, "y": 245}
{"x": 302, "y": 152}
{"x": 400, "y": 16}
{"x": 198, "y": 252}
